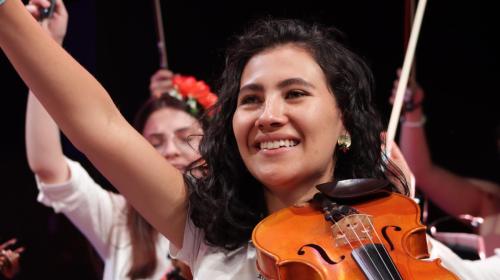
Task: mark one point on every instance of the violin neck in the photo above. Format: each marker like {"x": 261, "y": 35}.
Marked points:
{"x": 375, "y": 262}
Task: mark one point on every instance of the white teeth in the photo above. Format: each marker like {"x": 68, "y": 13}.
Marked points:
{"x": 269, "y": 145}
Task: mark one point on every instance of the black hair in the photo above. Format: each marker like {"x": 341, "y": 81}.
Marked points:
{"x": 164, "y": 101}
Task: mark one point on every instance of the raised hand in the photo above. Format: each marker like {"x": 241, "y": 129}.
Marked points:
{"x": 397, "y": 158}
{"x": 414, "y": 94}
{"x": 161, "y": 82}
{"x": 9, "y": 259}
{"x": 57, "y": 24}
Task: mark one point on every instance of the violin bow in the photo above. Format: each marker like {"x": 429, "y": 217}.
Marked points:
{"x": 409, "y": 14}
{"x": 160, "y": 34}
{"x": 405, "y": 73}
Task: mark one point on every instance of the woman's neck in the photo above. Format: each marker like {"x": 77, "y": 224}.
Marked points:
{"x": 289, "y": 196}
{"x": 296, "y": 192}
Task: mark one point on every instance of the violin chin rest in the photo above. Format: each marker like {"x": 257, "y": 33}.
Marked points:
{"x": 352, "y": 188}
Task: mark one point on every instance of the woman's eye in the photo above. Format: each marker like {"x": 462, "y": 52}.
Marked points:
{"x": 249, "y": 99}
{"x": 155, "y": 142}
{"x": 295, "y": 94}
{"x": 156, "y": 145}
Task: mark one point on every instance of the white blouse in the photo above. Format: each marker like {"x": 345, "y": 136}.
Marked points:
{"x": 209, "y": 262}
{"x": 102, "y": 217}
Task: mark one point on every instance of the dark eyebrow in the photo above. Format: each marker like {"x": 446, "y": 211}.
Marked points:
{"x": 251, "y": 87}
{"x": 177, "y": 131}
{"x": 281, "y": 85}
{"x": 183, "y": 129}
{"x": 154, "y": 135}
{"x": 294, "y": 81}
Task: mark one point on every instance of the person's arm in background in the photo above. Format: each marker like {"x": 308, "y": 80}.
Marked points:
{"x": 453, "y": 193}
{"x": 43, "y": 145}
{"x": 86, "y": 114}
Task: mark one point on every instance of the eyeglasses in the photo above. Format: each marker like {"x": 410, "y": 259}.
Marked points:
{"x": 184, "y": 142}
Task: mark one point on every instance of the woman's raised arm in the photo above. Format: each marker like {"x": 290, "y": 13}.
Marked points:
{"x": 87, "y": 115}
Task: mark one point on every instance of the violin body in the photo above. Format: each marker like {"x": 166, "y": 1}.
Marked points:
{"x": 299, "y": 243}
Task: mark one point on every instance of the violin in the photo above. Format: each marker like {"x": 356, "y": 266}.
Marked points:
{"x": 347, "y": 234}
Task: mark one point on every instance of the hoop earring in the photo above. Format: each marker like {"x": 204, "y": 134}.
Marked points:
{"x": 344, "y": 142}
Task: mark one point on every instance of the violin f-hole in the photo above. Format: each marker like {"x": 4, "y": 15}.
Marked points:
{"x": 322, "y": 253}
{"x": 386, "y": 236}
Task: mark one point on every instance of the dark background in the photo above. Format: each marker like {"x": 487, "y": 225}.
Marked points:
{"x": 457, "y": 65}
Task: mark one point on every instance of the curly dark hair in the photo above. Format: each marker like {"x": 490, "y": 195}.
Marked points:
{"x": 228, "y": 202}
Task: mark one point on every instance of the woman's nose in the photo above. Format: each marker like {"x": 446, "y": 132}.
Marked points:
{"x": 170, "y": 150}
{"x": 273, "y": 114}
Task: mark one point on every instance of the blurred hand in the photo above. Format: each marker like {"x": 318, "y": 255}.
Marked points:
{"x": 414, "y": 93}
{"x": 9, "y": 259}
{"x": 396, "y": 157}
{"x": 161, "y": 82}
{"x": 56, "y": 25}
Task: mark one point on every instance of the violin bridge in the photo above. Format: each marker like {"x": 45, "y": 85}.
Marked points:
{"x": 352, "y": 228}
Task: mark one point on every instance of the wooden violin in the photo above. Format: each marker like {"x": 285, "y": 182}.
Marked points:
{"x": 375, "y": 235}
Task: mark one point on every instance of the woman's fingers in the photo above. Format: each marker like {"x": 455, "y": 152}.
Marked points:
{"x": 161, "y": 82}
{"x": 397, "y": 157}
{"x": 40, "y": 3}
{"x": 19, "y": 250}
{"x": 33, "y": 10}
{"x": 8, "y": 243}
{"x": 60, "y": 9}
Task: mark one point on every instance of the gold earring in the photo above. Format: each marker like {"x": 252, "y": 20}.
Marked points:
{"x": 344, "y": 142}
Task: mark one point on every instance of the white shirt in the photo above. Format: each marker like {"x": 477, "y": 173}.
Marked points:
{"x": 213, "y": 263}
{"x": 102, "y": 217}
{"x": 487, "y": 269}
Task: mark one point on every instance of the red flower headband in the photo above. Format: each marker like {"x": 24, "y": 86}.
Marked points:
{"x": 192, "y": 92}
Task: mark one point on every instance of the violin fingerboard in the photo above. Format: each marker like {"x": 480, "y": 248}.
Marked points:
{"x": 375, "y": 262}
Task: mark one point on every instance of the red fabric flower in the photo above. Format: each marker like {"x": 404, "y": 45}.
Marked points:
{"x": 189, "y": 87}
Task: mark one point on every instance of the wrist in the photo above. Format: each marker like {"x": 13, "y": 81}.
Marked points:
{"x": 414, "y": 115}
{"x": 413, "y": 123}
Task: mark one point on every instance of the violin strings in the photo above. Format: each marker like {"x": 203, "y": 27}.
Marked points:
{"x": 383, "y": 246}
{"x": 349, "y": 242}
{"x": 376, "y": 249}
{"x": 364, "y": 249}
